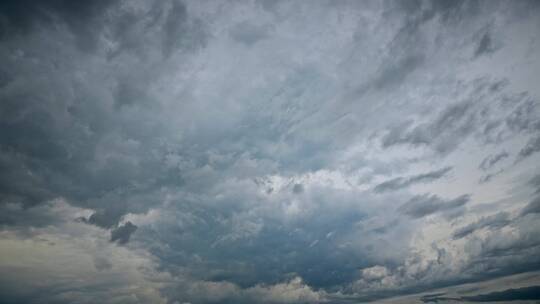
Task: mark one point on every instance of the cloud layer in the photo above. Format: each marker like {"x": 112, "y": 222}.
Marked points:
{"x": 268, "y": 151}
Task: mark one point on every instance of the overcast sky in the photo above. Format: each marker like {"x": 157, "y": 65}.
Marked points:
{"x": 269, "y": 151}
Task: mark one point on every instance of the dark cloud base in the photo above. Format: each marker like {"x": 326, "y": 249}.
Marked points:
{"x": 526, "y": 293}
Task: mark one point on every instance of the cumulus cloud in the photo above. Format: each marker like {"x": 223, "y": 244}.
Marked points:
{"x": 375, "y": 273}
{"x": 291, "y": 291}
{"x": 80, "y": 259}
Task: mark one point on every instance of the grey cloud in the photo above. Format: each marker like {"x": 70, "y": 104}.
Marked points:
{"x": 106, "y": 218}
{"x": 156, "y": 117}
{"x": 418, "y": 14}
{"x": 19, "y": 186}
{"x": 102, "y": 263}
{"x": 130, "y": 92}
{"x": 496, "y": 221}
{"x": 523, "y": 294}
{"x": 82, "y": 18}
{"x": 395, "y": 74}
{"x": 247, "y": 33}
{"x": 530, "y": 148}
{"x": 180, "y": 31}
{"x": 298, "y": 188}
{"x": 292, "y": 290}
{"x": 456, "y": 293}
{"x": 403, "y": 182}
{"x": 443, "y": 134}
{"x": 492, "y": 160}
{"x": 485, "y": 46}
{"x": 513, "y": 294}
{"x": 486, "y": 178}
{"x": 423, "y": 205}
{"x": 122, "y": 233}
{"x": 504, "y": 253}
{"x": 74, "y": 144}
{"x": 532, "y": 207}
{"x": 524, "y": 117}
{"x": 46, "y": 214}
{"x": 260, "y": 244}
{"x": 473, "y": 115}
{"x": 436, "y": 297}
{"x": 535, "y": 183}
{"x": 173, "y": 28}
{"x": 454, "y": 10}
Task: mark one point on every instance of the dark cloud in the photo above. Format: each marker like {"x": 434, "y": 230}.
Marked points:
{"x": 532, "y": 207}
{"x": 513, "y": 294}
{"x": 121, "y": 234}
{"x": 443, "y": 134}
{"x": 499, "y": 253}
{"x": 496, "y": 221}
{"x": 535, "y": 183}
{"x": 423, "y": 205}
{"x": 403, "y": 182}
{"x": 437, "y": 297}
{"x": 524, "y": 117}
{"x": 130, "y": 91}
{"x": 240, "y": 140}
{"x": 106, "y": 218}
{"x": 82, "y": 18}
{"x": 19, "y": 186}
{"x": 102, "y": 263}
{"x": 298, "y": 188}
{"x": 525, "y": 293}
{"x": 62, "y": 138}
{"x": 395, "y": 74}
{"x": 486, "y": 178}
{"x": 248, "y": 33}
{"x": 472, "y": 116}
{"x": 485, "y": 46}
{"x": 492, "y": 160}
{"x": 42, "y": 215}
{"x": 180, "y": 31}
{"x": 530, "y": 148}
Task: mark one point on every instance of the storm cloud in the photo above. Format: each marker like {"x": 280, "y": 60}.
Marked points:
{"x": 268, "y": 151}
{"x": 123, "y": 233}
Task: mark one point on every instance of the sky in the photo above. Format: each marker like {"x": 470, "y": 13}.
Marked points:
{"x": 267, "y": 152}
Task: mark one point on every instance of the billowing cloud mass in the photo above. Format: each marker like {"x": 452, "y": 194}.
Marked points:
{"x": 269, "y": 151}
